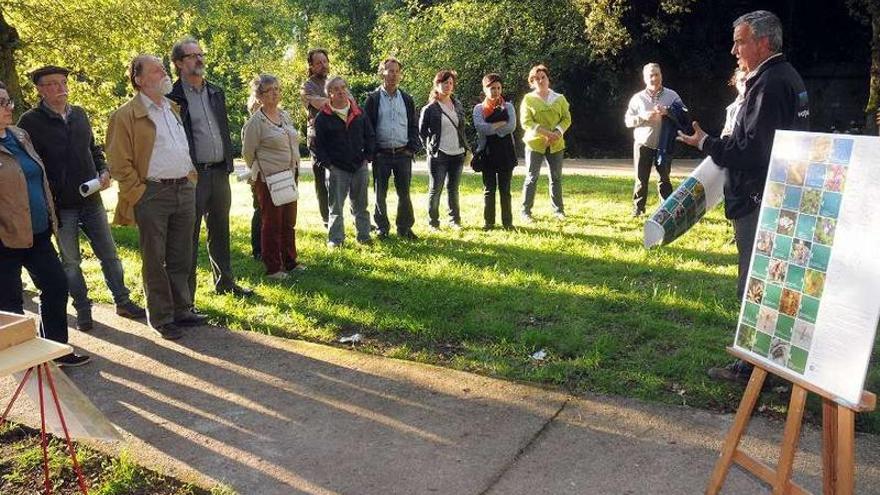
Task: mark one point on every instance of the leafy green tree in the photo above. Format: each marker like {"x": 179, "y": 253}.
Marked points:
{"x": 868, "y": 12}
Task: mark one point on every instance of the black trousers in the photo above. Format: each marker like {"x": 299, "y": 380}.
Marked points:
{"x": 500, "y": 180}
{"x": 213, "y": 200}
{"x": 42, "y": 263}
{"x": 644, "y": 159}
{"x": 744, "y": 231}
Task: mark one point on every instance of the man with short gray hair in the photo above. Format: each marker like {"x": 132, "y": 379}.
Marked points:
{"x": 775, "y": 98}
{"x": 644, "y": 116}
{"x": 393, "y": 115}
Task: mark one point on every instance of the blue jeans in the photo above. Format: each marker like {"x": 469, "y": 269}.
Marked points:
{"x": 444, "y": 168}
{"x": 354, "y": 185}
{"x": 534, "y": 160}
{"x": 91, "y": 219}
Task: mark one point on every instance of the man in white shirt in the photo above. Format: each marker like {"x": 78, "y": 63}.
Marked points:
{"x": 645, "y": 117}
{"x": 148, "y": 154}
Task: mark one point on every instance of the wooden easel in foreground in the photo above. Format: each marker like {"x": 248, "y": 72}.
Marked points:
{"x": 21, "y": 349}
{"x": 838, "y": 436}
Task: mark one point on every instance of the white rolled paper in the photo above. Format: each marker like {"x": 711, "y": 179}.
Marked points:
{"x": 90, "y": 187}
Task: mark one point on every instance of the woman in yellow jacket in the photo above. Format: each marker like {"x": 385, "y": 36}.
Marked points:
{"x": 544, "y": 117}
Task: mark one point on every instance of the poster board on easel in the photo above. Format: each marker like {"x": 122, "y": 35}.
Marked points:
{"x": 813, "y": 294}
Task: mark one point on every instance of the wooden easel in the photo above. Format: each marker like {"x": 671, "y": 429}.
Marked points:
{"x": 838, "y": 436}
{"x": 21, "y": 349}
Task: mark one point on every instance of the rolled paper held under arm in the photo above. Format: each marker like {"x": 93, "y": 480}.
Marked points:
{"x": 89, "y": 188}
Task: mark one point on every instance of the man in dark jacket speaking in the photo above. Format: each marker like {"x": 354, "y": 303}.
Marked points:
{"x": 775, "y": 98}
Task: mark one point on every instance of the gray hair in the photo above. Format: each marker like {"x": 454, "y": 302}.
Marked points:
{"x": 333, "y": 81}
{"x": 650, "y": 65}
{"x": 137, "y": 67}
{"x": 764, "y": 24}
{"x": 258, "y": 85}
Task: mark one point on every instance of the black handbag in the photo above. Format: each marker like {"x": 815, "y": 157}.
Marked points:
{"x": 478, "y": 162}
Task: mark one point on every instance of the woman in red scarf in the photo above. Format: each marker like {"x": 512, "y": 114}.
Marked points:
{"x": 495, "y": 121}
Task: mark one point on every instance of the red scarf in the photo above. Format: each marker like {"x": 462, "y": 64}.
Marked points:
{"x": 489, "y": 105}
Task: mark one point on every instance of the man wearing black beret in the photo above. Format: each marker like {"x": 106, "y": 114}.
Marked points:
{"x": 62, "y": 136}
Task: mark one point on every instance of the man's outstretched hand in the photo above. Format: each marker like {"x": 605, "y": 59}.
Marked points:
{"x": 695, "y": 138}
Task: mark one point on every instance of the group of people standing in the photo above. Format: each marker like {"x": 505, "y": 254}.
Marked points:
{"x": 343, "y": 137}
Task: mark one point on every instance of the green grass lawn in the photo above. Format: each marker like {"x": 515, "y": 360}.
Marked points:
{"x": 613, "y": 317}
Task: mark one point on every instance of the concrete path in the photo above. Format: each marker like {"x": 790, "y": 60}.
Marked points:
{"x": 273, "y": 416}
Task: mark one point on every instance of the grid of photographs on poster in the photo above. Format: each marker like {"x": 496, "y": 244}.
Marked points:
{"x": 682, "y": 209}
{"x": 792, "y": 249}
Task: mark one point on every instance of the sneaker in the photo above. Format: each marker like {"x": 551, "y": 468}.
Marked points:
{"x": 168, "y": 331}
{"x": 72, "y": 360}
{"x": 409, "y": 235}
{"x": 334, "y": 244}
{"x": 299, "y": 267}
{"x": 527, "y": 218}
{"x": 84, "y": 322}
{"x": 190, "y": 319}
{"x": 559, "y": 215}
{"x": 277, "y": 275}
{"x": 488, "y": 227}
{"x": 382, "y": 235}
{"x": 434, "y": 228}
{"x": 455, "y": 226}
{"x": 130, "y": 310}
{"x": 637, "y": 213}
{"x": 737, "y": 372}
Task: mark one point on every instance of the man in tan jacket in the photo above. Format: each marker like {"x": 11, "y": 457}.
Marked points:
{"x": 149, "y": 156}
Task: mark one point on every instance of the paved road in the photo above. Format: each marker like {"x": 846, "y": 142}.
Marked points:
{"x": 272, "y": 416}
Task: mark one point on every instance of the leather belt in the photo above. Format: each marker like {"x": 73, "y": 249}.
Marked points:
{"x": 211, "y": 165}
{"x": 393, "y": 151}
{"x": 180, "y": 180}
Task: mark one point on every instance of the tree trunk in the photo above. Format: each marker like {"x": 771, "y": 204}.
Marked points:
{"x": 874, "y": 86}
{"x": 9, "y": 42}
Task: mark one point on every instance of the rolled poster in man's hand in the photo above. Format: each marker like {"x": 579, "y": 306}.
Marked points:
{"x": 699, "y": 193}
{"x": 90, "y": 187}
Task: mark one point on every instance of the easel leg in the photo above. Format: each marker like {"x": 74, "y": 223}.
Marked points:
{"x": 846, "y": 432}
{"x": 829, "y": 447}
{"x": 79, "y": 476}
{"x": 740, "y": 422}
{"x": 43, "y": 441}
{"x": 790, "y": 439}
{"x": 27, "y": 375}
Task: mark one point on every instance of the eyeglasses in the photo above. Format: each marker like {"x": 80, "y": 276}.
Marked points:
{"x": 193, "y": 55}
{"x": 53, "y": 84}
{"x": 8, "y": 103}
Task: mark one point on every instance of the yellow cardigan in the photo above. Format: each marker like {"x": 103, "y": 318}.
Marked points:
{"x": 535, "y": 112}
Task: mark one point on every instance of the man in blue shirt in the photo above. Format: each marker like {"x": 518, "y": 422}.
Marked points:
{"x": 393, "y": 115}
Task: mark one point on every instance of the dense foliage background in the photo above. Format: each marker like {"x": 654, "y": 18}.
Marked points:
{"x": 595, "y": 49}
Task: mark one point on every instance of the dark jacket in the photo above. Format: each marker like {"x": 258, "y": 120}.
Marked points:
{"x": 218, "y": 104}
{"x": 775, "y": 98}
{"x": 371, "y": 109}
{"x": 430, "y": 126}
{"x": 345, "y": 145}
{"x": 676, "y": 119}
{"x": 68, "y": 150}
